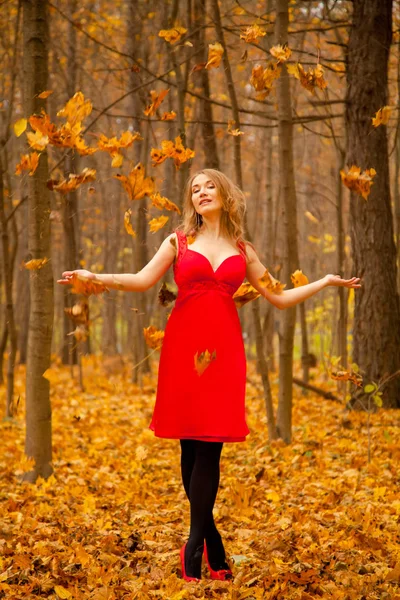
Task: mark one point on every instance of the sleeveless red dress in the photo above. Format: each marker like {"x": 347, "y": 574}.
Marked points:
{"x": 209, "y": 406}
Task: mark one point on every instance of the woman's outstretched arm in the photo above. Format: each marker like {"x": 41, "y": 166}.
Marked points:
{"x": 134, "y": 282}
{"x": 288, "y": 298}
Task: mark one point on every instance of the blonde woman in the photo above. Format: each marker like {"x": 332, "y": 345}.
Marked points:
{"x": 202, "y": 372}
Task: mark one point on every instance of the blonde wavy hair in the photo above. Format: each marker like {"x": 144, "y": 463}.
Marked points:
{"x": 233, "y": 207}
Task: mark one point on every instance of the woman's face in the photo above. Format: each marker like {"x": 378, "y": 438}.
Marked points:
{"x": 205, "y": 196}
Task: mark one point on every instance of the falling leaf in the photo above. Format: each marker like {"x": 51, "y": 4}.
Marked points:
{"x": 298, "y": 278}
{"x": 76, "y": 109}
{"x": 79, "y": 313}
{"x": 158, "y": 223}
{"x": 382, "y": 116}
{"x": 313, "y": 239}
{"x": 281, "y": 53}
{"x": 67, "y": 136}
{"x": 358, "y": 182}
{"x": 166, "y": 296}
{"x": 73, "y": 182}
{"x": 156, "y": 100}
{"x": 169, "y": 149}
{"x": 127, "y": 223}
{"x": 215, "y": 52}
{"x": 262, "y": 79}
{"x": 45, "y": 94}
{"x": 271, "y": 284}
{"x": 37, "y": 140}
{"x": 235, "y": 132}
{"x": 20, "y": 126}
{"x": 136, "y": 184}
{"x": 311, "y": 217}
{"x": 86, "y": 286}
{"x": 203, "y": 360}
{"x": 246, "y": 293}
{"x": 81, "y": 333}
{"x": 153, "y": 337}
{"x": 345, "y": 375}
{"x": 163, "y": 203}
{"x": 168, "y": 116}
{"x": 252, "y": 33}
{"x": 172, "y": 35}
{"x": 309, "y": 79}
{"x": 117, "y": 160}
{"x": 36, "y": 263}
{"x": 28, "y": 162}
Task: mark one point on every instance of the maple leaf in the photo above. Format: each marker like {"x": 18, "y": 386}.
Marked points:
{"x": 79, "y": 312}
{"x": 136, "y": 184}
{"x": 163, "y": 203}
{"x": 203, "y": 360}
{"x": 20, "y": 126}
{"x": 358, "y": 182}
{"x": 80, "y": 333}
{"x": 68, "y": 136}
{"x": 169, "y": 149}
{"x": 231, "y": 131}
{"x": 262, "y": 79}
{"x": 172, "y": 35}
{"x": 168, "y": 116}
{"x": 271, "y": 284}
{"x": 252, "y": 33}
{"x": 28, "y": 162}
{"x": 166, "y": 296}
{"x": 37, "y": 140}
{"x": 309, "y": 79}
{"x": 281, "y": 53}
{"x": 215, "y": 52}
{"x": 246, "y": 293}
{"x": 73, "y": 182}
{"x": 76, "y": 109}
{"x": 345, "y": 375}
{"x": 86, "y": 286}
{"x": 382, "y": 116}
{"x": 156, "y": 100}
{"x": 298, "y": 278}
{"x": 45, "y": 94}
{"x": 158, "y": 223}
{"x": 113, "y": 145}
{"x": 36, "y": 263}
{"x": 154, "y": 337}
{"x": 127, "y": 223}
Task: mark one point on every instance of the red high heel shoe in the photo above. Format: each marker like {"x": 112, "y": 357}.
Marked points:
{"x": 222, "y": 574}
{"x": 186, "y": 577}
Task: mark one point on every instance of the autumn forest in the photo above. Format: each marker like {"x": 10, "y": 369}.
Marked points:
{"x": 106, "y": 108}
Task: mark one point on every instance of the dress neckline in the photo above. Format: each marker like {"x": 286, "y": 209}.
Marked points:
{"x": 209, "y": 262}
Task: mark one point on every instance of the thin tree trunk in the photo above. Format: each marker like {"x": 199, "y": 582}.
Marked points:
{"x": 38, "y": 408}
{"x": 376, "y": 312}
{"x": 288, "y": 190}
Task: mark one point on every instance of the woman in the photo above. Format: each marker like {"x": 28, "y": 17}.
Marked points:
{"x": 202, "y": 371}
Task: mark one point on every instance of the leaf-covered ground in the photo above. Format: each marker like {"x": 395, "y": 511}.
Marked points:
{"x": 309, "y": 520}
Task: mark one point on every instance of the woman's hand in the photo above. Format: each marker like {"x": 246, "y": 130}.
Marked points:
{"x": 67, "y": 276}
{"x": 336, "y": 280}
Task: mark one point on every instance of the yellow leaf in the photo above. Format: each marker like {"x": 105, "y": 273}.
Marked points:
{"x": 136, "y": 184}
{"x": 37, "y": 140}
{"x": 382, "y": 116}
{"x": 313, "y": 239}
{"x": 271, "y": 284}
{"x": 215, "y": 52}
{"x": 311, "y": 217}
{"x": 20, "y": 126}
{"x": 153, "y": 337}
{"x": 117, "y": 160}
{"x": 127, "y": 223}
{"x": 298, "y": 278}
{"x": 36, "y": 263}
{"x": 281, "y": 53}
{"x": 81, "y": 555}
{"x": 252, "y": 33}
{"x": 273, "y": 496}
{"x": 158, "y": 223}
{"x": 231, "y": 131}
{"x": 62, "y": 592}
{"x": 45, "y": 94}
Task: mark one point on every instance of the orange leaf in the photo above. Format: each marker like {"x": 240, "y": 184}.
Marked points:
{"x": 215, "y": 52}
{"x": 163, "y": 203}
{"x": 246, "y": 293}
{"x": 74, "y": 181}
{"x": 281, "y": 53}
{"x": 271, "y": 284}
{"x": 79, "y": 313}
{"x": 309, "y": 79}
{"x": 298, "y": 278}
{"x": 136, "y": 184}
{"x": 127, "y": 223}
{"x": 112, "y": 145}
{"x": 76, "y": 109}
{"x": 36, "y": 263}
{"x": 156, "y": 100}
{"x": 347, "y": 376}
{"x": 252, "y": 33}
{"x": 358, "y": 182}
{"x": 172, "y": 35}
{"x": 37, "y": 140}
{"x": 80, "y": 333}
{"x": 382, "y": 116}
{"x": 203, "y": 360}
{"x": 45, "y": 94}
{"x": 169, "y": 149}
{"x": 87, "y": 287}
{"x": 263, "y": 79}
{"x": 28, "y": 162}
{"x": 153, "y": 337}
{"x": 158, "y": 223}
{"x": 168, "y": 116}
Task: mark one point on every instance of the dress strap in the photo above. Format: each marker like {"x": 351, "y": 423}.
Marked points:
{"x": 182, "y": 244}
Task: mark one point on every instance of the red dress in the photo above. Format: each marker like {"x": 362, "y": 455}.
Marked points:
{"x": 209, "y": 406}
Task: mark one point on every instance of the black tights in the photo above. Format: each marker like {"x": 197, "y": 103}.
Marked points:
{"x": 200, "y": 476}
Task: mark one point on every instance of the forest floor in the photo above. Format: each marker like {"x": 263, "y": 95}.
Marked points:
{"x": 308, "y": 520}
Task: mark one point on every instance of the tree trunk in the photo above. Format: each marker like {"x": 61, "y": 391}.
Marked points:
{"x": 376, "y": 312}
{"x": 38, "y": 408}
{"x": 291, "y": 260}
